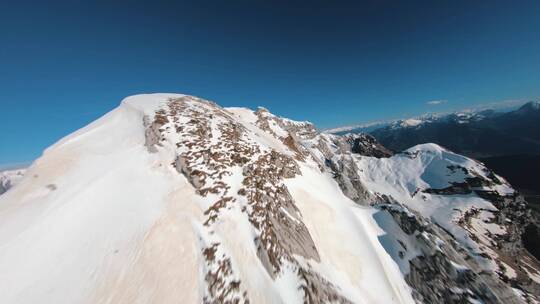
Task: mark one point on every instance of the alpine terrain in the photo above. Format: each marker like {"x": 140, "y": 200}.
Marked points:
{"x": 508, "y": 142}
{"x": 173, "y": 199}
{"x": 10, "y": 178}
{"x": 477, "y": 134}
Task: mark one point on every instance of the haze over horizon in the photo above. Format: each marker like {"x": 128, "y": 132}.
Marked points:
{"x": 498, "y": 106}
{"x": 65, "y": 64}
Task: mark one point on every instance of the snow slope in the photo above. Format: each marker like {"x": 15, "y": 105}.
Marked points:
{"x": 407, "y": 176}
{"x": 10, "y": 178}
{"x": 88, "y": 201}
{"x": 472, "y": 204}
{"x": 171, "y": 198}
{"x": 126, "y": 210}
{"x": 443, "y": 218}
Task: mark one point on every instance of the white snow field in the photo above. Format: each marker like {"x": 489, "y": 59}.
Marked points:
{"x": 100, "y": 218}
{"x": 428, "y": 166}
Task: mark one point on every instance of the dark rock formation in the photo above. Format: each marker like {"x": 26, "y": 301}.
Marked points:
{"x": 366, "y": 145}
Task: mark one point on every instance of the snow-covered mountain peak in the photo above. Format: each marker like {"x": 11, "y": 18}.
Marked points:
{"x": 149, "y": 103}
{"x": 441, "y": 168}
{"x": 410, "y": 122}
{"x": 456, "y": 117}
{"x": 530, "y": 106}
{"x": 172, "y": 197}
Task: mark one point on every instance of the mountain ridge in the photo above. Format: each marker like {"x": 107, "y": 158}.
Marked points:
{"x": 474, "y": 134}
{"x": 472, "y": 115}
{"x": 171, "y": 197}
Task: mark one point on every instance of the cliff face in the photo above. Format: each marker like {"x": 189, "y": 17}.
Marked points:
{"x": 173, "y": 198}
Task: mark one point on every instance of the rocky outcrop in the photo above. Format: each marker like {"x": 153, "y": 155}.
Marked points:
{"x": 10, "y": 178}
{"x": 512, "y": 216}
{"x": 337, "y": 154}
{"x": 366, "y": 145}
{"x": 231, "y": 170}
{"x": 447, "y": 269}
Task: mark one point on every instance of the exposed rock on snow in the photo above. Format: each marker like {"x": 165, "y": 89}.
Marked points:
{"x": 10, "y": 178}
{"x": 366, "y": 145}
{"x": 173, "y": 198}
{"x": 211, "y": 147}
{"x": 450, "y": 210}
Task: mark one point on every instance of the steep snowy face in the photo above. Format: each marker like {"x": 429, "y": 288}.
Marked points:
{"x": 172, "y": 198}
{"x": 437, "y": 205}
{"x": 239, "y": 161}
{"x": 10, "y": 178}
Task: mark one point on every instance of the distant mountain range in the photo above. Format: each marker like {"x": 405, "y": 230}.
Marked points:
{"x": 508, "y": 142}
{"x": 476, "y": 134}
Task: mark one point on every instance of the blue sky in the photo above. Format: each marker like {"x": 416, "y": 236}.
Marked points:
{"x": 64, "y": 64}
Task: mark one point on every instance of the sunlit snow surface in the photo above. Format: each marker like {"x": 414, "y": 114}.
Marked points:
{"x": 99, "y": 219}
{"x": 405, "y": 176}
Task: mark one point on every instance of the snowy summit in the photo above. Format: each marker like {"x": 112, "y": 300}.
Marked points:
{"x": 171, "y": 198}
